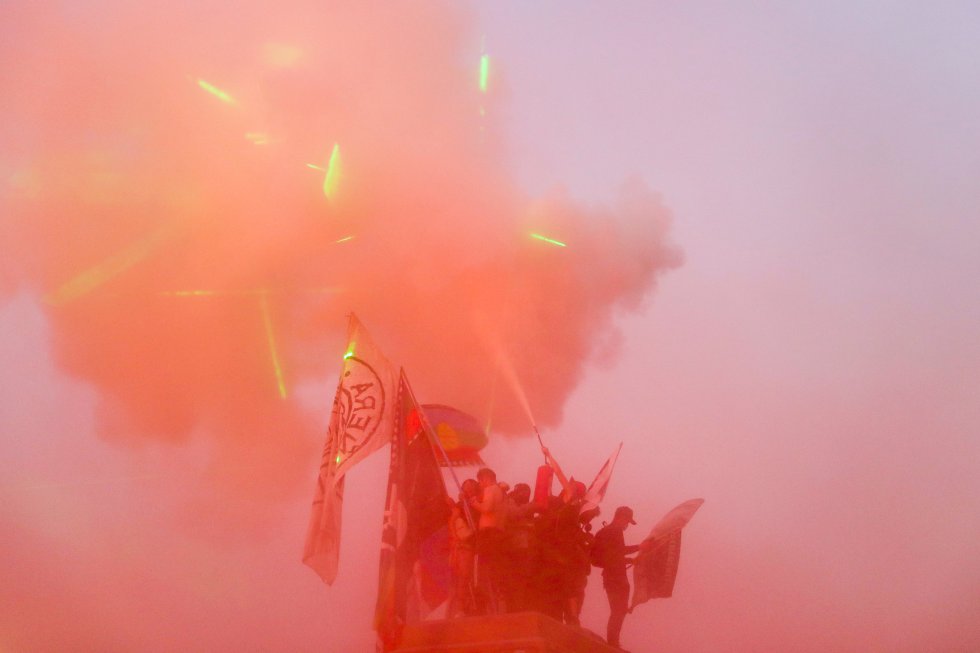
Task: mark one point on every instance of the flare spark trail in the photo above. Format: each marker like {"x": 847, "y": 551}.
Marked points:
{"x": 110, "y": 268}
{"x": 216, "y": 92}
{"x": 332, "y": 178}
{"x": 549, "y": 240}
{"x": 267, "y": 320}
{"x": 484, "y": 72}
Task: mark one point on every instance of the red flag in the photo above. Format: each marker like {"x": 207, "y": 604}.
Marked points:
{"x": 414, "y": 568}
{"x": 360, "y": 423}
{"x": 596, "y": 491}
{"x": 655, "y": 568}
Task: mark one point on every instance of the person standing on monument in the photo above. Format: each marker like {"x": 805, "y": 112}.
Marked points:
{"x": 462, "y": 553}
{"x": 490, "y": 538}
{"x": 609, "y": 551}
{"x": 520, "y": 547}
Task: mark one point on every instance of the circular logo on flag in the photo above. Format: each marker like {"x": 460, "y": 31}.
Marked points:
{"x": 358, "y": 409}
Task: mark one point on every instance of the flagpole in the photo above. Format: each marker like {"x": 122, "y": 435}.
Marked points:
{"x": 434, "y": 441}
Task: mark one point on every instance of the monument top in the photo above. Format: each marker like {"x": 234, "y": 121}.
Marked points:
{"x": 523, "y": 632}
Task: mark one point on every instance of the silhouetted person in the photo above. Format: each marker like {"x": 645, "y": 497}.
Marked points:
{"x": 520, "y": 547}
{"x": 563, "y": 566}
{"x": 609, "y": 551}
{"x": 584, "y": 566}
{"x": 462, "y": 553}
{"x": 490, "y": 537}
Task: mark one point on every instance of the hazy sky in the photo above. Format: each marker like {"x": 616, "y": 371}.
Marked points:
{"x": 811, "y": 368}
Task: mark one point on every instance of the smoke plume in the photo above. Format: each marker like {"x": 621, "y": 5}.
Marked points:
{"x": 201, "y": 192}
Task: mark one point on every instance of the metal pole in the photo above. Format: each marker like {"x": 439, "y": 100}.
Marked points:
{"x": 540, "y": 441}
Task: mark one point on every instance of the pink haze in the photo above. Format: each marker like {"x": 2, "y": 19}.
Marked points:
{"x": 809, "y": 365}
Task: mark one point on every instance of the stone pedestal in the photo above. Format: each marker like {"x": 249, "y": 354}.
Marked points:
{"x": 524, "y": 632}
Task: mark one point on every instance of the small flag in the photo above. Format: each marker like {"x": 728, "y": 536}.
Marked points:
{"x": 361, "y": 421}
{"x": 655, "y": 568}
{"x": 597, "y": 490}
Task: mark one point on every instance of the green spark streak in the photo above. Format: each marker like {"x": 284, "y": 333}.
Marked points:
{"x": 344, "y": 239}
{"x": 216, "y": 92}
{"x": 108, "y": 269}
{"x": 264, "y": 301}
{"x": 332, "y": 178}
{"x": 484, "y": 72}
{"x": 549, "y": 240}
{"x": 315, "y": 167}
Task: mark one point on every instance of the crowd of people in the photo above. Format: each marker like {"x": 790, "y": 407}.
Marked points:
{"x": 510, "y": 553}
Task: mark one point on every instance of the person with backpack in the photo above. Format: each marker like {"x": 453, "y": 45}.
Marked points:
{"x": 609, "y": 552}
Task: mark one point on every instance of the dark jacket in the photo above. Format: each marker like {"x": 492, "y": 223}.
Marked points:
{"x": 609, "y": 550}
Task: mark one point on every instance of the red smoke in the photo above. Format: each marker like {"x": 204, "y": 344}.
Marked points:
{"x": 161, "y": 201}
{"x": 162, "y": 174}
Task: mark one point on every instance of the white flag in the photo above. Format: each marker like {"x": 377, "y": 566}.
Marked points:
{"x": 596, "y": 491}
{"x": 361, "y": 422}
{"x": 655, "y": 568}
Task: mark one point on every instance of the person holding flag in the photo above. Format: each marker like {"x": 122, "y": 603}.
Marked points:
{"x": 414, "y": 536}
{"x": 655, "y": 569}
{"x": 609, "y": 552}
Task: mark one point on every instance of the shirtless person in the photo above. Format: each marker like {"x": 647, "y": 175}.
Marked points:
{"x": 490, "y": 537}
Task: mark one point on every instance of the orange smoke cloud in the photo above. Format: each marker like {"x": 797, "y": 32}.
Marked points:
{"x": 166, "y": 191}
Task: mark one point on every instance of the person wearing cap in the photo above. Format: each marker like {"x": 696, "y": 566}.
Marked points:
{"x": 609, "y": 551}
